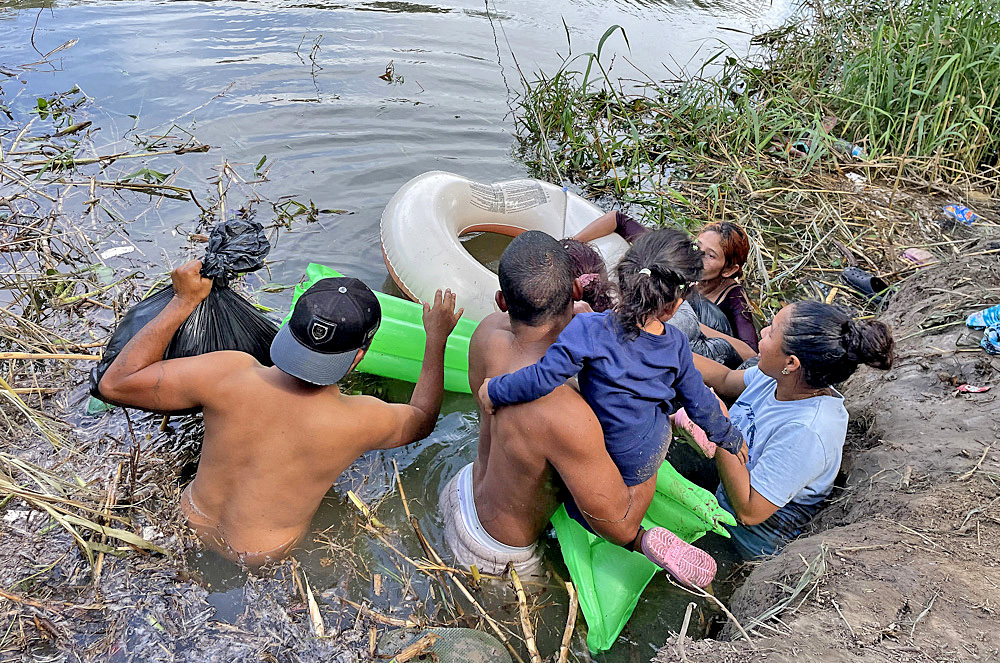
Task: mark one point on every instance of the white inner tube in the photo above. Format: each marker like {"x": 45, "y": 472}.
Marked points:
{"x": 423, "y": 221}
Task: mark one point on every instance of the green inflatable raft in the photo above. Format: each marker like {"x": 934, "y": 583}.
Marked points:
{"x": 397, "y": 351}
{"x": 608, "y": 578}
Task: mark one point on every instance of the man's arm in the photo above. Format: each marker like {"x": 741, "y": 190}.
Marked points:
{"x": 140, "y": 377}
{"x": 578, "y": 454}
{"x": 408, "y": 423}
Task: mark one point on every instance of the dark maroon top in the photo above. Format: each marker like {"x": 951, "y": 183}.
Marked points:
{"x": 733, "y": 303}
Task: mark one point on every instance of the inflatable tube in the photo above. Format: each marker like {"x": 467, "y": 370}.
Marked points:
{"x": 423, "y": 221}
{"x": 609, "y": 579}
{"x": 397, "y": 351}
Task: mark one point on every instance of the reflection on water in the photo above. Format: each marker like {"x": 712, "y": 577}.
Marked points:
{"x": 300, "y": 84}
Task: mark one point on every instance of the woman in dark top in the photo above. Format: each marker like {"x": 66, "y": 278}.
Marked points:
{"x": 725, "y": 247}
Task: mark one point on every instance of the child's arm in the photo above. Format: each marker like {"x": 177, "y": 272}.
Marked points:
{"x": 703, "y": 407}
{"x": 561, "y": 361}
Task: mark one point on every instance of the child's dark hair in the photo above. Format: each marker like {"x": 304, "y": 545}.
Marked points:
{"x": 655, "y": 272}
{"x": 831, "y": 345}
{"x": 588, "y": 266}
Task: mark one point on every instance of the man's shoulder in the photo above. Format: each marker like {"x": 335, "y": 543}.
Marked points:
{"x": 561, "y": 415}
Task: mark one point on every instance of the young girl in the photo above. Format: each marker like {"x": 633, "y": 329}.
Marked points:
{"x": 725, "y": 248}
{"x": 633, "y": 372}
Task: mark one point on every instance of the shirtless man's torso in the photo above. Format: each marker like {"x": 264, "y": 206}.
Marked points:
{"x": 527, "y": 453}
{"x": 274, "y": 444}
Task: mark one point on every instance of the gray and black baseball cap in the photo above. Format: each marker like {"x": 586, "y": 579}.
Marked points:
{"x": 331, "y": 321}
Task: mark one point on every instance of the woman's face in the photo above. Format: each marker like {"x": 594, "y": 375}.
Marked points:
{"x": 772, "y": 357}
{"x": 714, "y": 260}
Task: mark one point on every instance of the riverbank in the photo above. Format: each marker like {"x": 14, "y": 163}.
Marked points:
{"x": 902, "y": 564}
{"x": 837, "y": 143}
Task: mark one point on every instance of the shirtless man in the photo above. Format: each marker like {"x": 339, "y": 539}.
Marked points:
{"x": 495, "y": 508}
{"x": 276, "y": 438}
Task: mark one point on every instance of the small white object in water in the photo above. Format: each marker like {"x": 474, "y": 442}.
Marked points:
{"x": 116, "y": 251}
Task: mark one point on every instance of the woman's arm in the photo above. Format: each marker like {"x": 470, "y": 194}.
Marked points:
{"x": 612, "y": 222}
{"x": 790, "y": 458}
{"x": 603, "y": 226}
{"x": 750, "y": 507}
{"x": 742, "y": 349}
{"x": 726, "y": 382}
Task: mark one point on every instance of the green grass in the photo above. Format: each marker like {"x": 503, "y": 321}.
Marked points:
{"x": 915, "y": 85}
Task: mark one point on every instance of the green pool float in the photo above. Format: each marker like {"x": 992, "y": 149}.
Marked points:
{"x": 608, "y": 578}
{"x": 397, "y": 351}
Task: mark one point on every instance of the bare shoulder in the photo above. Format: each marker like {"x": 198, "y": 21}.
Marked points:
{"x": 563, "y": 418}
{"x": 494, "y": 328}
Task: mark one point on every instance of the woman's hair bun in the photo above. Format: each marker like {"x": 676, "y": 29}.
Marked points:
{"x": 868, "y": 342}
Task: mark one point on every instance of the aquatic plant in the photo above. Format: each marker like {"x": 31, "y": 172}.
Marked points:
{"x": 903, "y": 100}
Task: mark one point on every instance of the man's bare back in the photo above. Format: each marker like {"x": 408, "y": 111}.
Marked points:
{"x": 274, "y": 444}
{"x": 529, "y": 452}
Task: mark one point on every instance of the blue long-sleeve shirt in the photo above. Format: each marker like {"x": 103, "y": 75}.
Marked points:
{"x": 631, "y": 385}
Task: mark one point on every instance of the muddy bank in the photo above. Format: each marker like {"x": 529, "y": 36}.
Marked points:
{"x": 903, "y": 564}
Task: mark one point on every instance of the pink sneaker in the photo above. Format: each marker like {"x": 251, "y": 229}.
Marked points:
{"x": 681, "y": 420}
{"x": 688, "y": 565}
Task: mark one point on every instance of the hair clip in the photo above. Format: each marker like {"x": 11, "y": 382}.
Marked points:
{"x": 645, "y": 270}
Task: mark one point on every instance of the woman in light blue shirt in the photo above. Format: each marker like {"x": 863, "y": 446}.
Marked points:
{"x": 793, "y": 420}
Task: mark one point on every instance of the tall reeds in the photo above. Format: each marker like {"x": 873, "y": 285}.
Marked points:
{"x": 902, "y": 97}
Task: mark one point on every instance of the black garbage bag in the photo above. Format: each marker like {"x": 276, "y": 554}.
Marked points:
{"x": 710, "y": 314}
{"x": 223, "y": 321}
{"x": 717, "y": 349}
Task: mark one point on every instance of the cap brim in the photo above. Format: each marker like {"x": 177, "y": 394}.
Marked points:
{"x": 314, "y": 367}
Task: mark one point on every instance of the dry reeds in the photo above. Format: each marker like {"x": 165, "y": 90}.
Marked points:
{"x": 767, "y": 141}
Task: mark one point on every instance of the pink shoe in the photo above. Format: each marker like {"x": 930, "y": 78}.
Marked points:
{"x": 688, "y": 565}
{"x": 681, "y": 420}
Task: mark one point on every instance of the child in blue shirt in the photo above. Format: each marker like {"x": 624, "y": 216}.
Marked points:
{"x": 634, "y": 371}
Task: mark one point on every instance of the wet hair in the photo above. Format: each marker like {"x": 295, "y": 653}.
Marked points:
{"x": 588, "y": 264}
{"x": 831, "y": 345}
{"x": 734, "y": 242}
{"x": 536, "y": 278}
{"x": 653, "y": 274}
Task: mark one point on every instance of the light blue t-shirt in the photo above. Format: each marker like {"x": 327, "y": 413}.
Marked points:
{"x": 795, "y": 453}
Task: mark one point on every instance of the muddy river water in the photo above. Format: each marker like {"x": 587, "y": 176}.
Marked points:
{"x": 300, "y": 84}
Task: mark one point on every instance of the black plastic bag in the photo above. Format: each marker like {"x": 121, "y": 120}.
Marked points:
{"x": 717, "y": 349}
{"x": 223, "y": 321}
{"x": 710, "y": 314}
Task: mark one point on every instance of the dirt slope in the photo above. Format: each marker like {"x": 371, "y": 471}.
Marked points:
{"x": 905, "y": 563}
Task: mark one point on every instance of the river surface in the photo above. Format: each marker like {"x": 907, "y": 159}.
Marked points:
{"x": 299, "y": 83}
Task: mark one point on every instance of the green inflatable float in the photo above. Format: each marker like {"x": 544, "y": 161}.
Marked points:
{"x": 608, "y": 578}
{"x": 397, "y": 351}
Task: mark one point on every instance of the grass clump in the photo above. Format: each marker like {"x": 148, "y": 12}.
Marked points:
{"x": 902, "y": 99}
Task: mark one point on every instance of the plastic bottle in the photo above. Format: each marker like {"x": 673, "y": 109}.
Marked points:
{"x": 849, "y": 148}
{"x": 988, "y": 317}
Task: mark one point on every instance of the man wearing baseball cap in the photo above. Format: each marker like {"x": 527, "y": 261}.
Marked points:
{"x": 276, "y": 438}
